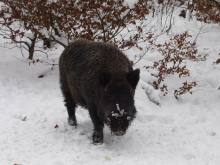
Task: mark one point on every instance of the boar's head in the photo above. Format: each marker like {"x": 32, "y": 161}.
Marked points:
{"x": 116, "y": 102}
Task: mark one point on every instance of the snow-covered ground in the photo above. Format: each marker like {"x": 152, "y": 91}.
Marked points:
{"x": 34, "y": 129}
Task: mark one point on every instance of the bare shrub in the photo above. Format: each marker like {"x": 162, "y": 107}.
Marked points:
{"x": 13, "y": 29}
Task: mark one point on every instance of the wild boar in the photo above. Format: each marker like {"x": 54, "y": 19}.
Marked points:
{"x": 99, "y": 77}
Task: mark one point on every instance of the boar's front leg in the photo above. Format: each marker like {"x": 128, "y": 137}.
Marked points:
{"x": 98, "y": 126}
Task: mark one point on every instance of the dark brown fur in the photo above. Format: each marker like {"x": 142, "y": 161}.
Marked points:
{"x": 98, "y": 76}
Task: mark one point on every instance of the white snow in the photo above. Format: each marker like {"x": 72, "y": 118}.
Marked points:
{"x": 33, "y": 119}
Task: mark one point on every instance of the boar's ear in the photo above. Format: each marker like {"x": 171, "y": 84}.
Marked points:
{"x": 104, "y": 78}
{"x": 133, "y": 77}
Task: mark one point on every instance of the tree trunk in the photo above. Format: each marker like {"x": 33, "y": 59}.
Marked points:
{"x": 32, "y": 46}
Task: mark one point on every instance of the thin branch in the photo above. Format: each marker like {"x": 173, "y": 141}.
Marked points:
{"x": 199, "y": 32}
{"x": 57, "y": 41}
{"x": 142, "y": 56}
{"x": 171, "y": 16}
{"x": 102, "y": 24}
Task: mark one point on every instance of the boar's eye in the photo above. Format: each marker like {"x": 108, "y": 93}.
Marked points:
{"x": 105, "y": 78}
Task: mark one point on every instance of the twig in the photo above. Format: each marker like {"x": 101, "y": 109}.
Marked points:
{"x": 199, "y": 32}
{"x": 142, "y": 56}
{"x": 171, "y": 16}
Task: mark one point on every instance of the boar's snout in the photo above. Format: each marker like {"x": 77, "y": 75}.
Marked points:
{"x": 119, "y": 121}
{"x": 119, "y": 125}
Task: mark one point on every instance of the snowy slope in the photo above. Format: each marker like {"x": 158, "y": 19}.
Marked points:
{"x": 184, "y": 132}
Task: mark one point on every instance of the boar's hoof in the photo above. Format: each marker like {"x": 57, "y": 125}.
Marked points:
{"x": 72, "y": 122}
{"x": 97, "y": 137}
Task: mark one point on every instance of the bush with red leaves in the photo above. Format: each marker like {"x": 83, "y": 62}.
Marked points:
{"x": 174, "y": 52}
{"x": 63, "y": 21}
{"x": 206, "y": 10}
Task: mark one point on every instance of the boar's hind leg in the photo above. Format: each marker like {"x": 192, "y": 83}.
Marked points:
{"x": 69, "y": 103}
{"x": 98, "y": 126}
{"x": 71, "y": 112}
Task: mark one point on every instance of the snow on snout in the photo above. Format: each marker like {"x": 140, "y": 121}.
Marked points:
{"x": 119, "y": 112}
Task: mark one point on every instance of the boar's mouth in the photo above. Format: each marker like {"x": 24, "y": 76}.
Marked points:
{"x": 118, "y": 124}
{"x": 119, "y": 133}
{"x": 119, "y": 120}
